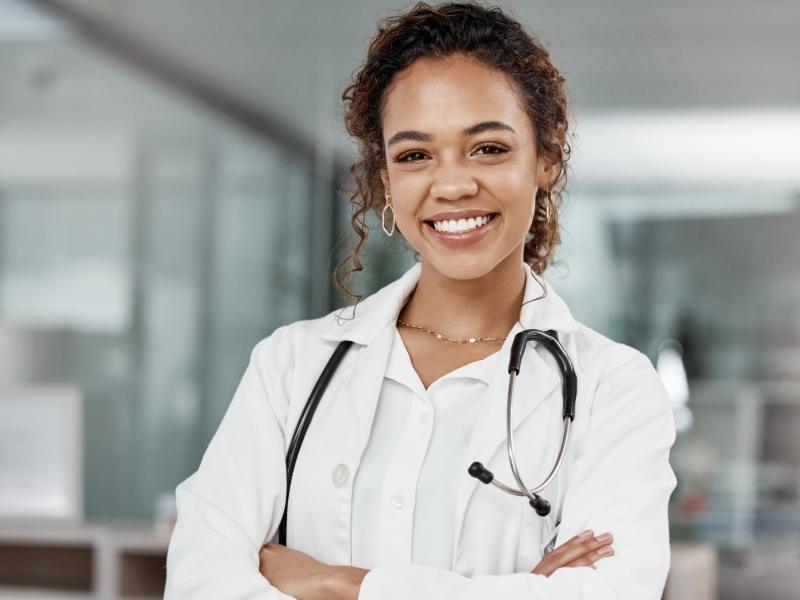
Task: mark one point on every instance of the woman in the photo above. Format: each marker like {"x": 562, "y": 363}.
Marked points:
{"x": 462, "y": 123}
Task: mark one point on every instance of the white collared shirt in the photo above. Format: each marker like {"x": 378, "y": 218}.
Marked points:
{"x": 404, "y": 493}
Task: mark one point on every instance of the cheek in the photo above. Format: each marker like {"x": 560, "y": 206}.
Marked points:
{"x": 517, "y": 202}
{"x": 512, "y": 181}
{"x": 403, "y": 216}
{"x": 406, "y": 211}
{"x": 403, "y": 221}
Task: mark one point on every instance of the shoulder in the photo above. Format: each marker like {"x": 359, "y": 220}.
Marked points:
{"x": 593, "y": 353}
{"x": 285, "y": 340}
{"x": 359, "y": 323}
{"x": 625, "y": 385}
{"x": 284, "y": 345}
{"x": 303, "y": 345}
{"x": 602, "y": 355}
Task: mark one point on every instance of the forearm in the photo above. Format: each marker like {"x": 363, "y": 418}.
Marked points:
{"x": 345, "y": 583}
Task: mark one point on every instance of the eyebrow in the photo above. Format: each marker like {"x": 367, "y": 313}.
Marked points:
{"x": 419, "y": 136}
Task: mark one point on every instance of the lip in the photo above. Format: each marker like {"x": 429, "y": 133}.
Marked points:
{"x": 460, "y": 240}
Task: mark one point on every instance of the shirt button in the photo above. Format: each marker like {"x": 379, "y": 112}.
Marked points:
{"x": 425, "y": 417}
{"x": 398, "y": 502}
{"x": 340, "y": 475}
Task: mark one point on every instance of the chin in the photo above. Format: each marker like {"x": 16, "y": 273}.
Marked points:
{"x": 461, "y": 269}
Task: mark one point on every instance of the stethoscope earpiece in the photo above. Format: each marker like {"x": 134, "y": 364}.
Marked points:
{"x": 540, "y": 505}
{"x": 549, "y": 339}
{"x": 478, "y": 471}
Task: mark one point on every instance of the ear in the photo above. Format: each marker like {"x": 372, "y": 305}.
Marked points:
{"x": 547, "y": 166}
{"x": 546, "y": 171}
{"x": 385, "y": 179}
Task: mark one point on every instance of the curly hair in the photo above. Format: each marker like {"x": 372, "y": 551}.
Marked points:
{"x": 483, "y": 33}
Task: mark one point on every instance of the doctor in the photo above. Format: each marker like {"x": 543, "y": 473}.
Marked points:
{"x": 461, "y": 118}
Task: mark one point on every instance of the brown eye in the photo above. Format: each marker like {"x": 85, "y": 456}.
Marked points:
{"x": 405, "y": 157}
{"x": 496, "y": 149}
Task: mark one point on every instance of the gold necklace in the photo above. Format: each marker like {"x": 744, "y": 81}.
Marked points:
{"x": 441, "y": 336}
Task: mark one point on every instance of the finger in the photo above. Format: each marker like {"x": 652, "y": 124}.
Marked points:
{"x": 561, "y": 556}
{"x": 576, "y": 539}
{"x": 589, "y": 560}
{"x": 592, "y": 557}
{"x": 574, "y": 550}
{"x": 578, "y": 546}
{"x": 583, "y": 540}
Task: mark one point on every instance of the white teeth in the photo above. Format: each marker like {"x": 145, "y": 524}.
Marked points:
{"x": 461, "y": 225}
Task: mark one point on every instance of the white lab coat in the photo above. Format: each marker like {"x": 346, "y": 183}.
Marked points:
{"x": 615, "y": 477}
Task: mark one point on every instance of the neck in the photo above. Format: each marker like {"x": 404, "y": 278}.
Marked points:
{"x": 486, "y": 306}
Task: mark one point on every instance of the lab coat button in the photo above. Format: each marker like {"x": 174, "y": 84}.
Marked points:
{"x": 398, "y": 502}
{"x": 424, "y": 417}
{"x": 340, "y": 475}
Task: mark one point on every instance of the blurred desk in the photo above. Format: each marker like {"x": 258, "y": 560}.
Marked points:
{"x": 82, "y": 562}
{"x": 694, "y": 572}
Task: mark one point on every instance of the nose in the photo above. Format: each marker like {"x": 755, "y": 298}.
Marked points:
{"x": 453, "y": 182}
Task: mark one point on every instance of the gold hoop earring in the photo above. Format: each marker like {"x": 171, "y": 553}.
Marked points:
{"x": 383, "y": 216}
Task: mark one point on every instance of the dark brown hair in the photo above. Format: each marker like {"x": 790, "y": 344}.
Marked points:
{"x": 484, "y": 33}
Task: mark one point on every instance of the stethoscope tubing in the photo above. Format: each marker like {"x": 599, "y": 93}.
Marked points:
{"x": 524, "y": 490}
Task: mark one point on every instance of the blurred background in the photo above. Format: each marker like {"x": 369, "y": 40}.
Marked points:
{"x": 170, "y": 193}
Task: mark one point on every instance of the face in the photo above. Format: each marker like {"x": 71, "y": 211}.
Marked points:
{"x": 460, "y": 145}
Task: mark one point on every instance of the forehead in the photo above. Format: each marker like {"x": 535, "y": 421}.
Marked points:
{"x": 450, "y": 94}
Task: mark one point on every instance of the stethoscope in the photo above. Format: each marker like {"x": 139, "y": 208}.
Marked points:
{"x": 549, "y": 339}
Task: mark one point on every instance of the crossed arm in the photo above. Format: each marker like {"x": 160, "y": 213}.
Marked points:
{"x": 302, "y": 577}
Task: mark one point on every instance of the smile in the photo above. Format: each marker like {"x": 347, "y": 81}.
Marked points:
{"x": 461, "y": 225}
{"x": 457, "y": 233}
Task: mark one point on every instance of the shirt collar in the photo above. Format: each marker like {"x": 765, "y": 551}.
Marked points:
{"x": 542, "y": 308}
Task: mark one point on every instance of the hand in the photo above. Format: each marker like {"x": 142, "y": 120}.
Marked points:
{"x": 583, "y": 550}
{"x": 293, "y": 572}
{"x": 297, "y": 574}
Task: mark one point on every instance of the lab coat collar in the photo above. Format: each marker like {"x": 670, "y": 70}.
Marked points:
{"x": 362, "y": 322}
